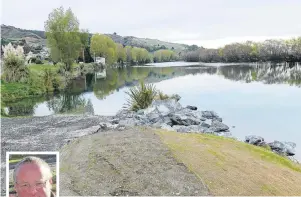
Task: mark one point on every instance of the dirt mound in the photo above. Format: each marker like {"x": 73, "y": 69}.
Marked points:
{"x": 129, "y": 162}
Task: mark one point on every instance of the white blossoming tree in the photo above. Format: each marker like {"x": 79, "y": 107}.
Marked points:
{"x": 14, "y": 68}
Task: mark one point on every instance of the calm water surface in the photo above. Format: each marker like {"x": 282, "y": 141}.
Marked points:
{"x": 261, "y": 100}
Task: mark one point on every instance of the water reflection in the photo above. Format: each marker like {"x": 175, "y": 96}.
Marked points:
{"x": 74, "y": 100}
{"x": 71, "y": 103}
{"x": 268, "y": 74}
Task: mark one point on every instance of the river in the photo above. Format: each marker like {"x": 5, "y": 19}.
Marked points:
{"x": 257, "y": 99}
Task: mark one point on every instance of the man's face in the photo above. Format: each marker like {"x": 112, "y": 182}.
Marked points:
{"x": 31, "y": 182}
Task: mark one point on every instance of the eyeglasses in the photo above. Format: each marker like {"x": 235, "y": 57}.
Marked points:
{"x": 37, "y": 185}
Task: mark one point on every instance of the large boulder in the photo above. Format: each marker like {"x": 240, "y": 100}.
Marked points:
{"x": 182, "y": 119}
{"x": 192, "y": 113}
{"x": 162, "y": 121}
{"x": 163, "y": 107}
{"x": 163, "y": 110}
{"x": 171, "y": 104}
{"x": 286, "y": 148}
{"x": 125, "y": 113}
{"x": 217, "y": 126}
{"x": 209, "y": 114}
{"x": 255, "y": 140}
{"x": 204, "y": 124}
{"x": 191, "y": 107}
{"x": 218, "y": 119}
{"x": 154, "y": 115}
{"x": 176, "y": 97}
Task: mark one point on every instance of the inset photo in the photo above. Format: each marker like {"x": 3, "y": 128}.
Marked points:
{"x": 32, "y": 174}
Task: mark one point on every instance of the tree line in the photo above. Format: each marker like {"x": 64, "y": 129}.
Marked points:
{"x": 104, "y": 46}
{"x": 67, "y": 43}
{"x": 270, "y": 50}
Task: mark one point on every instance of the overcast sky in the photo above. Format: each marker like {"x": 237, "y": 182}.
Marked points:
{"x": 208, "y": 23}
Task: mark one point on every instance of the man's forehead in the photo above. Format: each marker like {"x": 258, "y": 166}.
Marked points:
{"x": 29, "y": 170}
{"x": 29, "y": 166}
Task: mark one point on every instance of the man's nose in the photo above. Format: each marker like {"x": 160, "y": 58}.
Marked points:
{"x": 33, "y": 190}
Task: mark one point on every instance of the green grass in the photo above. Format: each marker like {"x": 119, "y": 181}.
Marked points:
{"x": 270, "y": 156}
{"x": 230, "y": 167}
{"x": 35, "y": 86}
{"x": 41, "y": 67}
{"x": 13, "y": 91}
{"x": 263, "y": 152}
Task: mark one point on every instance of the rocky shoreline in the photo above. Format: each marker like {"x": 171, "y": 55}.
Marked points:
{"x": 170, "y": 115}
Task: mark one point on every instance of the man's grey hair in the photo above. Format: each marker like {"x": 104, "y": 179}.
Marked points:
{"x": 31, "y": 159}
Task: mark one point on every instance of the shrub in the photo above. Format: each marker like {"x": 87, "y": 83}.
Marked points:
{"x": 141, "y": 97}
{"x": 48, "y": 80}
{"x": 36, "y": 84}
{"x": 88, "y": 67}
{"x": 14, "y": 68}
{"x": 62, "y": 68}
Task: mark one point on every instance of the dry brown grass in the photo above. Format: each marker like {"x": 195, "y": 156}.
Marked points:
{"x": 230, "y": 167}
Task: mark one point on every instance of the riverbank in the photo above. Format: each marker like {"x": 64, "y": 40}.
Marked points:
{"x": 130, "y": 156}
{"x": 43, "y": 79}
{"x": 122, "y": 142}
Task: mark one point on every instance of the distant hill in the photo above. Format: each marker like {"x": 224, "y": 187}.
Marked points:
{"x": 36, "y": 37}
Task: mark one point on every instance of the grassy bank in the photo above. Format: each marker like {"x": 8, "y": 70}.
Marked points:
{"x": 43, "y": 79}
{"x": 230, "y": 167}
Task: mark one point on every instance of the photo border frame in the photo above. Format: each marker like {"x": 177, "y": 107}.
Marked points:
{"x": 8, "y": 153}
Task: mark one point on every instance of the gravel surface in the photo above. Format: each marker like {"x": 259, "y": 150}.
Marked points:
{"x": 48, "y": 133}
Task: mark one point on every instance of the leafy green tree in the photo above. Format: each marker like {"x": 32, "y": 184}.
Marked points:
{"x": 135, "y": 52}
{"x": 157, "y": 56}
{"x": 164, "y": 55}
{"x": 104, "y": 46}
{"x": 111, "y": 56}
{"x": 98, "y": 45}
{"x": 144, "y": 55}
{"x": 128, "y": 51}
{"x": 62, "y": 33}
{"x": 121, "y": 53}
{"x": 84, "y": 40}
{"x": 150, "y": 58}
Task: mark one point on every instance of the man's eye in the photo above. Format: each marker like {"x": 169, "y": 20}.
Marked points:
{"x": 25, "y": 185}
{"x": 39, "y": 184}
